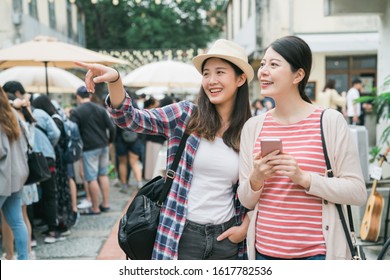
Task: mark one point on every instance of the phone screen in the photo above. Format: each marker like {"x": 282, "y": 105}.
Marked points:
{"x": 269, "y": 145}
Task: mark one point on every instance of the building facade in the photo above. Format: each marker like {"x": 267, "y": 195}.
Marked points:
{"x": 344, "y": 46}
{"x": 349, "y": 39}
{"x": 23, "y": 20}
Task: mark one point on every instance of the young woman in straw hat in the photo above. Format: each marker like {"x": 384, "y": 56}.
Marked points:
{"x": 201, "y": 217}
{"x": 295, "y": 215}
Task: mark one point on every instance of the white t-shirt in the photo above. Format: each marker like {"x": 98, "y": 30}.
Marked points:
{"x": 215, "y": 169}
{"x": 353, "y": 94}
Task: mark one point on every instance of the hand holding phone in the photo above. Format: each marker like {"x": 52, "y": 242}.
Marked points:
{"x": 269, "y": 145}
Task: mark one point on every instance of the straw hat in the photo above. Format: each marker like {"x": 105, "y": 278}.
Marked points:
{"x": 227, "y": 50}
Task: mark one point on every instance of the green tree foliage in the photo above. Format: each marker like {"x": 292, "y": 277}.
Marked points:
{"x": 146, "y": 25}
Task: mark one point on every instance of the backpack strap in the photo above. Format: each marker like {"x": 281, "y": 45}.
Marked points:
{"x": 171, "y": 172}
{"x": 41, "y": 128}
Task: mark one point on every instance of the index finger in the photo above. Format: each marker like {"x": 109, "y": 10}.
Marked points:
{"x": 273, "y": 153}
{"x": 223, "y": 235}
{"x": 83, "y": 64}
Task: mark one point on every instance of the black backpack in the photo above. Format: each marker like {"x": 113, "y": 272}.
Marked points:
{"x": 74, "y": 143}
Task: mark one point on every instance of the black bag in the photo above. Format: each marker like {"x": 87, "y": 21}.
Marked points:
{"x": 39, "y": 169}
{"x": 138, "y": 227}
{"x": 356, "y": 250}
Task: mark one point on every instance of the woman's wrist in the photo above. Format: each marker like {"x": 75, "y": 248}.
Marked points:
{"x": 306, "y": 181}
{"x": 255, "y": 184}
{"x": 114, "y": 81}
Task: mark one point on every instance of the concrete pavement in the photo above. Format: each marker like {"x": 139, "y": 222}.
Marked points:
{"x": 94, "y": 237}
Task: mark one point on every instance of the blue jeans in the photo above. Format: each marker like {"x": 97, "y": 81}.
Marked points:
{"x": 95, "y": 163}
{"x": 199, "y": 242}
{"x": 264, "y": 257}
{"x": 12, "y": 209}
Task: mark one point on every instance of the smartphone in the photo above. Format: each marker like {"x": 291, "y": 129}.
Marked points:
{"x": 269, "y": 145}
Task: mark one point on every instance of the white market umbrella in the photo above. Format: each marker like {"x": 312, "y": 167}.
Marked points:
{"x": 170, "y": 74}
{"x": 164, "y": 90}
{"x": 33, "y": 79}
{"x": 48, "y": 51}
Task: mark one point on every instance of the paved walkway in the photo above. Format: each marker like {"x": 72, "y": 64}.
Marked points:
{"x": 94, "y": 237}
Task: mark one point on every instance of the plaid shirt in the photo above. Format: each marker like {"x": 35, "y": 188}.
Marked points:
{"x": 170, "y": 121}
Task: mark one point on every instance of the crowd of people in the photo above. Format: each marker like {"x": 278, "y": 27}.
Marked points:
{"x": 51, "y": 207}
{"x": 346, "y": 102}
{"x": 227, "y": 200}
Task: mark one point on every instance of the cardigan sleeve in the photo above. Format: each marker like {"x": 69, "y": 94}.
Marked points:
{"x": 247, "y": 196}
{"x": 347, "y": 186}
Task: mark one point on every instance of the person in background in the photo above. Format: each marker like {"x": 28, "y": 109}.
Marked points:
{"x": 153, "y": 145}
{"x": 66, "y": 216}
{"x": 258, "y": 107}
{"x": 140, "y": 100}
{"x": 13, "y": 173}
{"x": 29, "y": 192}
{"x": 94, "y": 122}
{"x": 354, "y": 108}
{"x": 128, "y": 157}
{"x": 46, "y": 135}
{"x": 68, "y": 172}
{"x": 294, "y": 215}
{"x": 201, "y": 217}
{"x": 72, "y": 168}
{"x": 330, "y": 98}
{"x": 268, "y": 103}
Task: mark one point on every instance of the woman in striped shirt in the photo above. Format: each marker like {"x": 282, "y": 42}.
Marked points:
{"x": 295, "y": 215}
{"x": 201, "y": 217}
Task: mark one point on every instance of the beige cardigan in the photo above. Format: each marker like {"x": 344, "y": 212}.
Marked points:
{"x": 347, "y": 186}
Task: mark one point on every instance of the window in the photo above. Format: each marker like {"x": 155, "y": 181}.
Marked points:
{"x": 347, "y": 68}
{"x": 17, "y": 5}
{"x": 32, "y": 9}
{"x": 52, "y": 15}
{"x": 69, "y": 19}
{"x": 337, "y": 63}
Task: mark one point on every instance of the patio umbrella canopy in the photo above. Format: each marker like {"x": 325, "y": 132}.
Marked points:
{"x": 164, "y": 90}
{"x": 33, "y": 79}
{"x": 170, "y": 74}
{"x": 48, "y": 51}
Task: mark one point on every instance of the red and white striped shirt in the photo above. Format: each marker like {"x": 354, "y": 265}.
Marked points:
{"x": 289, "y": 221}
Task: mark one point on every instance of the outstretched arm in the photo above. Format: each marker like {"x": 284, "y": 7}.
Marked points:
{"x": 98, "y": 73}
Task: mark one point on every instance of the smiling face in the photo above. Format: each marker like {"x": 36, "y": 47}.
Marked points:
{"x": 275, "y": 75}
{"x": 220, "y": 81}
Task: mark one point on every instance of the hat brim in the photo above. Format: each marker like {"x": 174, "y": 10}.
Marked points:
{"x": 244, "y": 66}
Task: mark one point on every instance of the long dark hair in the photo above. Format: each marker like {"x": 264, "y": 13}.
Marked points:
{"x": 330, "y": 84}
{"x": 206, "y": 121}
{"x": 298, "y": 54}
{"x": 43, "y": 102}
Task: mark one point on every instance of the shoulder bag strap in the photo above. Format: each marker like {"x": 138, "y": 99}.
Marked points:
{"x": 338, "y": 206}
{"x": 41, "y": 128}
{"x": 25, "y": 136}
{"x": 170, "y": 174}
